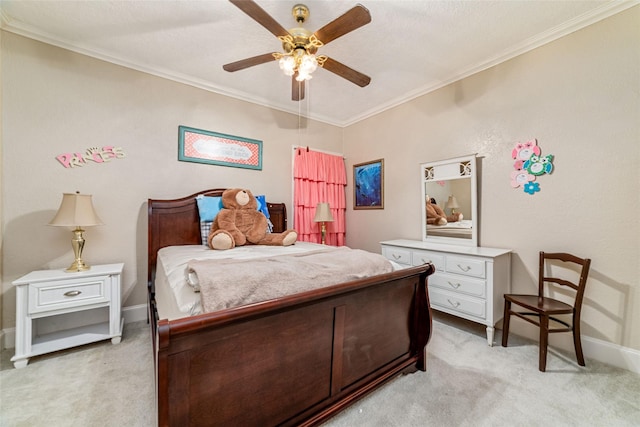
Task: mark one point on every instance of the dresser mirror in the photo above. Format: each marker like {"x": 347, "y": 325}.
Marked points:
{"x": 449, "y": 190}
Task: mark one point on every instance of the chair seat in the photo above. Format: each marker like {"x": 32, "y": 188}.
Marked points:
{"x": 540, "y": 304}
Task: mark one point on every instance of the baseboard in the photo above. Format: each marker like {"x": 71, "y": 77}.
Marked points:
{"x": 605, "y": 352}
{"x": 611, "y": 354}
{"x": 8, "y": 338}
{"x": 134, "y": 313}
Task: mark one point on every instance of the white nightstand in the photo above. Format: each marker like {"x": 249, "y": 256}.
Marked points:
{"x": 57, "y": 310}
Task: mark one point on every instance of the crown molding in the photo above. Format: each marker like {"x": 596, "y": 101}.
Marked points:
{"x": 605, "y": 11}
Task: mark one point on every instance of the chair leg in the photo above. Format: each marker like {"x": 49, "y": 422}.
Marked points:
{"x": 544, "y": 341}
{"x": 577, "y": 343}
{"x": 505, "y": 322}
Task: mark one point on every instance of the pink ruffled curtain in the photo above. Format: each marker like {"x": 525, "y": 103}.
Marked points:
{"x": 319, "y": 178}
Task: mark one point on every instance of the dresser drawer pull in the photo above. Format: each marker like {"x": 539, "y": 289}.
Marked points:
{"x": 453, "y": 304}
{"x": 465, "y": 269}
{"x": 426, "y": 261}
{"x": 396, "y": 257}
{"x": 72, "y": 293}
{"x": 453, "y": 285}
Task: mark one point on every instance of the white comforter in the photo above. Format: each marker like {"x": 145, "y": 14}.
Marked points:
{"x": 172, "y": 277}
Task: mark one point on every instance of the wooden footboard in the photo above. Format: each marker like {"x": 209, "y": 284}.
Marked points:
{"x": 292, "y": 361}
{"x": 295, "y": 360}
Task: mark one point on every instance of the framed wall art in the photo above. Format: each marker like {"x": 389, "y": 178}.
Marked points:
{"x": 368, "y": 185}
{"x": 201, "y": 146}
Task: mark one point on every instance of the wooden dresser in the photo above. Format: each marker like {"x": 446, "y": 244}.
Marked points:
{"x": 469, "y": 282}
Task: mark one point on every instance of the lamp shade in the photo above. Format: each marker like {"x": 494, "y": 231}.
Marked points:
{"x": 452, "y": 203}
{"x": 76, "y": 210}
{"x": 323, "y": 213}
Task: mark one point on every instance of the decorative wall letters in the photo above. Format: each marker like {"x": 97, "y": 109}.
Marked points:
{"x": 93, "y": 154}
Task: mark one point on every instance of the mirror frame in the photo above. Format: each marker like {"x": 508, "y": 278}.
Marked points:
{"x": 464, "y": 167}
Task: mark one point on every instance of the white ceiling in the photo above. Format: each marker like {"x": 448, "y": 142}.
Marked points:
{"x": 410, "y": 48}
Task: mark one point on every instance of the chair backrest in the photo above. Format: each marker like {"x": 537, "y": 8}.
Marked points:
{"x": 584, "y": 263}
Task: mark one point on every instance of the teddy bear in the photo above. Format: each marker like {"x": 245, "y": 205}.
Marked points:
{"x": 436, "y": 216}
{"x": 240, "y": 223}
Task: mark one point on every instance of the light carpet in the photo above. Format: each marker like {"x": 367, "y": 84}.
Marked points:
{"x": 467, "y": 383}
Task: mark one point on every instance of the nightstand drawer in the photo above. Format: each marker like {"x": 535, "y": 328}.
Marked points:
{"x": 459, "y": 284}
{"x": 466, "y": 266}
{"x": 48, "y": 296}
{"x": 422, "y": 257}
{"x": 401, "y": 256}
{"x": 455, "y": 303}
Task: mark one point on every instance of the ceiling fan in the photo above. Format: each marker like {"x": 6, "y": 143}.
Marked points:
{"x": 298, "y": 58}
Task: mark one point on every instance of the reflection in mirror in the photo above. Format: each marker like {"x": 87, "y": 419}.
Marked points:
{"x": 450, "y": 207}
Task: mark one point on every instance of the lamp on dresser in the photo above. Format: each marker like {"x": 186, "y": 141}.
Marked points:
{"x": 76, "y": 210}
{"x": 323, "y": 215}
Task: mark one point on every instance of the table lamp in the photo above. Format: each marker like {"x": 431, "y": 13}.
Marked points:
{"x": 323, "y": 215}
{"x": 76, "y": 210}
{"x": 452, "y": 203}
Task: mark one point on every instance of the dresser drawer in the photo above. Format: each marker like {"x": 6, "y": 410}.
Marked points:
{"x": 422, "y": 257}
{"x": 459, "y": 284}
{"x": 457, "y": 303}
{"x": 401, "y": 256}
{"x": 467, "y": 266}
{"x": 68, "y": 293}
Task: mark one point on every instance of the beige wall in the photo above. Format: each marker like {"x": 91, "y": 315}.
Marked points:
{"x": 580, "y": 97}
{"x": 57, "y": 101}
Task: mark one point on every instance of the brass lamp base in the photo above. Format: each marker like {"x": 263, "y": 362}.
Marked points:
{"x": 323, "y": 231}
{"x": 78, "y": 245}
{"x": 78, "y": 265}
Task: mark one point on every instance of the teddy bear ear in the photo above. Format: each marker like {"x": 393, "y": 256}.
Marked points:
{"x": 229, "y": 197}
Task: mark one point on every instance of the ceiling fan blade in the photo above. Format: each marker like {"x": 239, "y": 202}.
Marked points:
{"x": 353, "y": 19}
{"x": 248, "y": 62}
{"x": 297, "y": 88}
{"x": 346, "y": 73}
{"x": 260, "y": 16}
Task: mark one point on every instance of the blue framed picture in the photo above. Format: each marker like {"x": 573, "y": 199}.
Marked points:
{"x": 202, "y": 146}
{"x": 368, "y": 185}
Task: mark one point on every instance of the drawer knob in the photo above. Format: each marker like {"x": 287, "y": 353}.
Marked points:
{"x": 465, "y": 268}
{"x": 72, "y": 293}
{"x": 396, "y": 256}
{"x": 453, "y": 285}
{"x": 453, "y": 304}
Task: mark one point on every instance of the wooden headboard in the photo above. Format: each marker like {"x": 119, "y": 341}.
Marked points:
{"x": 177, "y": 222}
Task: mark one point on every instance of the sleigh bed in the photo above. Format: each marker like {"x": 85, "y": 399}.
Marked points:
{"x": 292, "y": 360}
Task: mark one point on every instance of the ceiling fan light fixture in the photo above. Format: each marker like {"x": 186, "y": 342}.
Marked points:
{"x": 299, "y": 46}
{"x": 308, "y": 64}
{"x": 288, "y": 65}
{"x": 301, "y": 77}
{"x": 298, "y": 61}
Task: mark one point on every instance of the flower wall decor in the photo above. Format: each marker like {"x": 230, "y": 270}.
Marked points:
{"x": 529, "y": 164}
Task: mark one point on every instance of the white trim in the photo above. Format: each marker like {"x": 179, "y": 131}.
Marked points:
{"x": 8, "y": 338}
{"x": 134, "y": 313}
{"x": 598, "y": 14}
{"x": 602, "y": 351}
{"x": 4, "y": 339}
{"x": 606, "y": 10}
{"x": 131, "y": 314}
{"x": 611, "y": 354}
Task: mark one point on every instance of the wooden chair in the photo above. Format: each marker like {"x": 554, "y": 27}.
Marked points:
{"x": 542, "y": 309}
